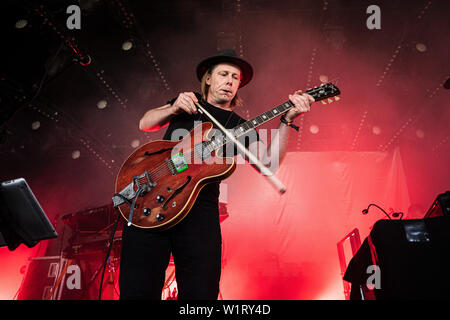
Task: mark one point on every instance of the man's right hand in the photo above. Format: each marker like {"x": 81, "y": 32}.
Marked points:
{"x": 185, "y": 102}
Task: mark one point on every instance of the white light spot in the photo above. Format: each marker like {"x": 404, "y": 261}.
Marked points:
{"x": 35, "y": 125}
{"x": 323, "y": 78}
{"x": 76, "y": 154}
{"x": 420, "y": 133}
{"x": 314, "y": 129}
{"x": 127, "y": 45}
{"x": 102, "y": 104}
{"x": 22, "y": 23}
{"x": 376, "y": 130}
{"x": 135, "y": 143}
{"x": 421, "y": 47}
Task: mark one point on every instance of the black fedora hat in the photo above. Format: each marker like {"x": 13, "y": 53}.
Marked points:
{"x": 230, "y": 56}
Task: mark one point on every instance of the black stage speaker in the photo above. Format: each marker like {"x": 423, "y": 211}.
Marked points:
{"x": 410, "y": 256}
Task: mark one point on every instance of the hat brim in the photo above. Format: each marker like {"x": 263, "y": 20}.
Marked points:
{"x": 246, "y": 68}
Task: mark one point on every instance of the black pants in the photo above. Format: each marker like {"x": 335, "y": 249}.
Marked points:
{"x": 195, "y": 244}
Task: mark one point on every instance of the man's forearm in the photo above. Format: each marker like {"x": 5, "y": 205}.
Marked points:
{"x": 156, "y": 119}
{"x": 277, "y": 147}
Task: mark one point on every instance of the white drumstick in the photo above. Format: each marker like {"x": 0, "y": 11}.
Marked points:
{"x": 261, "y": 167}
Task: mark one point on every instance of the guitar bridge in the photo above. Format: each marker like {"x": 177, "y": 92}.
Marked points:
{"x": 144, "y": 181}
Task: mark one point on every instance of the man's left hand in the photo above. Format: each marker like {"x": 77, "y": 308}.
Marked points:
{"x": 302, "y": 102}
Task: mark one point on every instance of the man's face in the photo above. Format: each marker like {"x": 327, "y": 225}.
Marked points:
{"x": 223, "y": 82}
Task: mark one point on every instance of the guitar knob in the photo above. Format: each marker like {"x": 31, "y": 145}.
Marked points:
{"x": 160, "y": 217}
{"x": 160, "y": 199}
{"x": 147, "y": 211}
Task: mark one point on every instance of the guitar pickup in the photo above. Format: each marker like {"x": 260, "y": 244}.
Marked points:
{"x": 179, "y": 162}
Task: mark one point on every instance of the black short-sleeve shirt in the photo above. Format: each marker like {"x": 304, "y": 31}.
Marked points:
{"x": 229, "y": 119}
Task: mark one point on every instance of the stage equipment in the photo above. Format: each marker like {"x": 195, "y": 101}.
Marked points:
{"x": 42, "y": 278}
{"x": 94, "y": 237}
{"x": 73, "y": 273}
{"x": 90, "y": 221}
{"x": 22, "y": 219}
{"x": 440, "y": 206}
{"x": 394, "y": 214}
{"x": 447, "y": 84}
{"x": 402, "y": 259}
{"x": 355, "y": 243}
{"x": 76, "y": 272}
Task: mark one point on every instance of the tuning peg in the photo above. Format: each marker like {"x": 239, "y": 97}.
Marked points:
{"x": 329, "y": 100}
{"x": 337, "y": 98}
{"x": 323, "y": 102}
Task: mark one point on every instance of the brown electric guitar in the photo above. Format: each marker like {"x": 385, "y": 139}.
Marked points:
{"x": 162, "y": 179}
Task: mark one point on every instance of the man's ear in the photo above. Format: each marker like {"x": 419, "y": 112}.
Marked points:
{"x": 208, "y": 79}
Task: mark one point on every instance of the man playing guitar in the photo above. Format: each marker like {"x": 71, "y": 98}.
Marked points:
{"x": 195, "y": 242}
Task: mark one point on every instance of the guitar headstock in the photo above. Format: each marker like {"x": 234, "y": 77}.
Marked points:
{"x": 325, "y": 91}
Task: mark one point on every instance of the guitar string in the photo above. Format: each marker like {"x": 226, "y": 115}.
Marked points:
{"x": 162, "y": 169}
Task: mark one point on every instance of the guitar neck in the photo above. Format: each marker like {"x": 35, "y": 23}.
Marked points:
{"x": 318, "y": 93}
{"x": 263, "y": 118}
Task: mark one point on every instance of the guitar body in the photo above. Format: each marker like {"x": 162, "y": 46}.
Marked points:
{"x": 174, "y": 191}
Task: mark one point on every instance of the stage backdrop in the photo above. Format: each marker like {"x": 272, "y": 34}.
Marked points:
{"x": 284, "y": 246}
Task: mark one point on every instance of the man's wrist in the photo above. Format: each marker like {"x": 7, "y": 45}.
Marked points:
{"x": 289, "y": 123}
{"x": 286, "y": 118}
{"x": 174, "y": 110}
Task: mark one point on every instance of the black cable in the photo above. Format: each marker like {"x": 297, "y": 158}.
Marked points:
{"x": 46, "y": 72}
{"x": 107, "y": 256}
{"x": 138, "y": 192}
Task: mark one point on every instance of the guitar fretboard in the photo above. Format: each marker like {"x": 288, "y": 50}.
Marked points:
{"x": 318, "y": 93}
